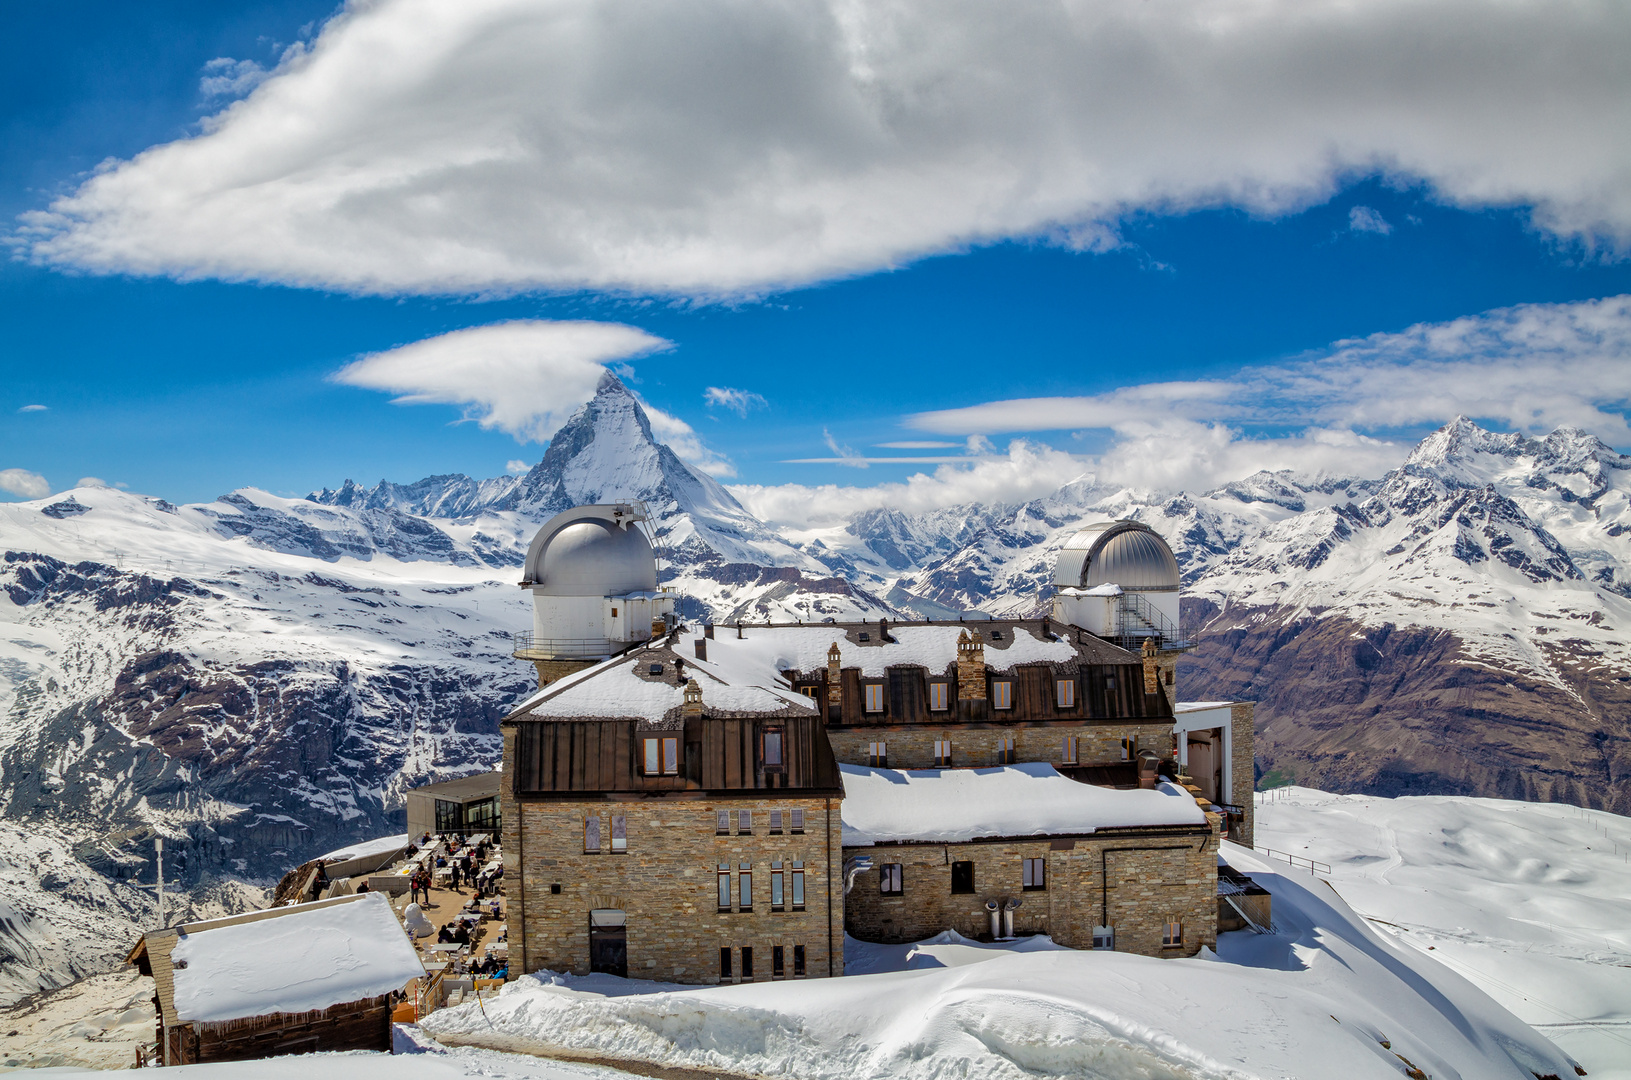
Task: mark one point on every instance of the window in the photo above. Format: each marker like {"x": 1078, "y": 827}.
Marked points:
{"x": 877, "y": 755}
{"x": 810, "y": 692}
{"x": 620, "y": 833}
{"x": 1005, "y": 749}
{"x": 745, "y": 888}
{"x": 962, "y": 878}
{"x": 614, "y": 613}
{"x": 724, "y": 886}
{"x": 1036, "y": 875}
{"x": 939, "y": 696}
{"x": 776, "y": 882}
{"x": 1068, "y": 755}
{"x": 874, "y": 697}
{"x": 723, "y": 826}
{"x": 1104, "y": 937}
{"x": 1127, "y": 749}
{"x": 778, "y": 969}
{"x": 798, "y": 886}
{"x": 744, "y": 822}
{"x": 662, "y": 756}
{"x": 1172, "y": 934}
{"x": 775, "y": 822}
{"x": 725, "y": 962}
{"x": 798, "y": 820}
{"x": 747, "y": 962}
{"x": 654, "y": 669}
{"x": 942, "y": 753}
{"x": 773, "y": 748}
{"x": 1169, "y": 676}
{"x": 890, "y": 882}
{"x": 798, "y": 961}
{"x": 591, "y": 835}
{"x": 1065, "y": 693}
{"x": 1002, "y": 695}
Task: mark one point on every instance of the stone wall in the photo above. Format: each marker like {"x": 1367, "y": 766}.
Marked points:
{"x": 914, "y": 749}
{"x": 666, "y": 883}
{"x": 1146, "y": 888}
{"x": 1243, "y": 778}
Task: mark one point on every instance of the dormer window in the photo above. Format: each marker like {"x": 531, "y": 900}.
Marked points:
{"x": 662, "y": 755}
{"x": 939, "y": 696}
{"x": 1065, "y": 693}
{"x": 873, "y": 693}
{"x": 1002, "y": 694}
{"x": 773, "y": 748}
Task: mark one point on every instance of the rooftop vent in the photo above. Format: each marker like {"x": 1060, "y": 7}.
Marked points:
{"x": 864, "y": 636}
{"x": 996, "y": 635}
{"x": 656, "y": 669}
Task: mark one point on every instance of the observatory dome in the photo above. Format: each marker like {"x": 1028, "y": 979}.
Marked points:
{"x": 1124, "y": 553}
{"x": 590, "y": 557}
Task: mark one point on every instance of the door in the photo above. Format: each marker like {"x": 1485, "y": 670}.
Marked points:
{"x": 608, "y": 943}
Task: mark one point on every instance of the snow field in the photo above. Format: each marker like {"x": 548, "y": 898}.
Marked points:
{"x": 1317, "y": 1002}
{"x": 1530, "y": 902}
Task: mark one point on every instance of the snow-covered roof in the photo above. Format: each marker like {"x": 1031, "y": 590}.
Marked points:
{"x": 951, "y": 805}
{"x": 763, "y": 649}
{"x": 362, "y": 848}
{"x": 1196, "y": 706}
{"x": 624, "y": 687}
{"x": 301, "y": 959}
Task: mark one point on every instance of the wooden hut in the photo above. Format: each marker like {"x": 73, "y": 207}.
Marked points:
{"x": 291, "y": 980}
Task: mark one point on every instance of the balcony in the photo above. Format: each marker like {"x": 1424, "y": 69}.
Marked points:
{"x": 528, "y": 646}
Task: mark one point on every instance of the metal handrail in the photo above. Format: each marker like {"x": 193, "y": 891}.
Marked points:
{"x": 576, "y": 648}
{"x": 1312, "y": 865}
{"x": 1138, "y": 619}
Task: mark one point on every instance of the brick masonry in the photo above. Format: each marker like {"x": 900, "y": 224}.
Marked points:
{"x": 667, "y": 885}
{"x": 1146, "y": 888}
{"x": 1095, "y": 744}
{"x": 1243, "y": 776}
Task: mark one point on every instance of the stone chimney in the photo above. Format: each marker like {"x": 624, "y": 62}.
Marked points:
{"x": 970, "y": 667}
{"x": 692, "y": 709}
{"x": 835, "y": 679}
{"x": 702, "y": 648}
{"x": 1152, "y": 667}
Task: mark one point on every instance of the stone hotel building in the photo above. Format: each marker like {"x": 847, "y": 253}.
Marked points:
{"x": 726, "y": 803}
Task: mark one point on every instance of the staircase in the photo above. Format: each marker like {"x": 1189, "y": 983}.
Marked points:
{"x": 1138, "y": 620}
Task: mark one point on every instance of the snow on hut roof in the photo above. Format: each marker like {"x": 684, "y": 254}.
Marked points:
{"x": 951, "y": 805}
{"x": 310, "y": 958}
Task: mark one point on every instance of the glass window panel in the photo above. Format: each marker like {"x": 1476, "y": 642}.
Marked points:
{"x": 620, "y": 835}
{"x": 798, "y": 820}
{"x": 671, "y": 756}
{"x": 773, "y": 748}
{"x": 591, "y": 834}
{"x": 745, "y": 886}
{"x": 653, "y": 758}
{"x": 798, "y": 885}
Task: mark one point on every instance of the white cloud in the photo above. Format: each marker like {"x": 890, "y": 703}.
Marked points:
{"x": 515, "y": 467}
{"x": 716, "y": 148}
{"x": 33, "y": 408}
{"x": 737, "y": 401}
{"x": 1368, "y": 219}
{"x": 684, "y": 441}
{"x": 1026, "y": 471}
{"x": 226, "y": 77}
{"x": 1533, "y": 367}
{"x": 30, "y": 485}
{"x": 919, "y": 444}
{"x": 523, "y": 377}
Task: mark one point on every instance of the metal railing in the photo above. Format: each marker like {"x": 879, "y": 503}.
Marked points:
{"x": 529, "y": 646}
{"x": 1311, "y": 865}
{"x": 1137, "y": 619}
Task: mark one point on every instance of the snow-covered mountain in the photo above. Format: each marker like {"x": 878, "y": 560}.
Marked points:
{"x": 258, "y": 678}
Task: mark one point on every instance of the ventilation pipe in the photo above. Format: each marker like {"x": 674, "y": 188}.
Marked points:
{"x": 1008, "y": 916}
{"x": 996, "y": 919}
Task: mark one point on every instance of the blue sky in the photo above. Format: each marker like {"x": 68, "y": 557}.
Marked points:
{"x": 188, "y": 388}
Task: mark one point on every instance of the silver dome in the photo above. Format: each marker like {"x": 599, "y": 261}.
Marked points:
{"x": 588, "y": 552}
{"x": 1124, "y": 553}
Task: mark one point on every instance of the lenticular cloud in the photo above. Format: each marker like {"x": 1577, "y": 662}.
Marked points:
{"x": 719, "y": 147}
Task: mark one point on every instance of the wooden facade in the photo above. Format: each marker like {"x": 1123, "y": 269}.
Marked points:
{"x": 721, "y": 756}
